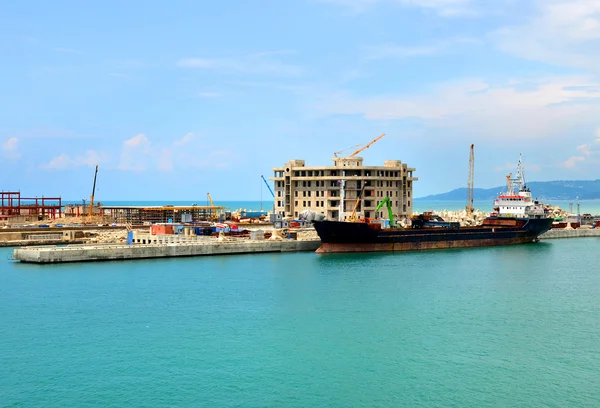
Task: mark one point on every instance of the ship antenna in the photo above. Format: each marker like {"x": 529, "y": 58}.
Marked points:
{"x": 521, "y": 173}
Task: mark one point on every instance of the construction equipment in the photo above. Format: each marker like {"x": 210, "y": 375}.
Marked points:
{"x": 269, "y": 187}
{"x": 353, "y": 216}
{"x": 471, "y": 182}
{"x": 215, "y": 216}
{"x": 365, "y": 146}
{"x": 93, "y": 193}
{"x": 347, "y": 148}
{"x": 388, "y": 203}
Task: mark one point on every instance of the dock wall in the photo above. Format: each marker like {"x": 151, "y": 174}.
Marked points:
{"x": 109, "y": 252}
{"x": 570, "y": 233}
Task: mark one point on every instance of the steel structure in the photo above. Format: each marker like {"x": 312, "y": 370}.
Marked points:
{"x": 13, "y": 205}
{"x": 471, "y": 182}
{"x": 140, "y": 215}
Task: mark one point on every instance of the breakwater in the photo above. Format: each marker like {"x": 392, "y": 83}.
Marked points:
{"x": 112, "y": 252}
{"x": 571, "y": 233}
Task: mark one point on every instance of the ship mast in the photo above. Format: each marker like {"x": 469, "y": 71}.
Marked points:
{"x": 470, "y": 183}
{"x": 521, "y": 174}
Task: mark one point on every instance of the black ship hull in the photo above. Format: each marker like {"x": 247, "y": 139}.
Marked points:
{"x": 341, "y": 236}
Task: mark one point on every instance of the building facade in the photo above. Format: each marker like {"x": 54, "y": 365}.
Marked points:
{"x": 334, "y": 190}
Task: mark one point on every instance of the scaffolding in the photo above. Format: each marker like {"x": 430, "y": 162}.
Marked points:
{"x": 15, "y": 207}
{"x": 140, "y": 215}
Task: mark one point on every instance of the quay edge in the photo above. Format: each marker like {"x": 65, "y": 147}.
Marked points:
{"x": 570, "y": 233}
{"x": 115, "y": 252}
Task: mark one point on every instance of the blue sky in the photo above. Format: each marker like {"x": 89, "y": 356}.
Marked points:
{"x": 174, "y": 100}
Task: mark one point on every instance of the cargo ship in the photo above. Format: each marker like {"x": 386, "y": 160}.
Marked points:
{"x": 518, "y": 219}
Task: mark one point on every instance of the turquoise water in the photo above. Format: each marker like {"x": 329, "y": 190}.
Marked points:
{"x": 490, "y": 327}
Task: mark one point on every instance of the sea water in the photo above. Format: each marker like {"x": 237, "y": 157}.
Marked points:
{"x": 483, "y": 327}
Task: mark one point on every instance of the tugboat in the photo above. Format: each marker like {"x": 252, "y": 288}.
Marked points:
{"x": 518, "y": 219}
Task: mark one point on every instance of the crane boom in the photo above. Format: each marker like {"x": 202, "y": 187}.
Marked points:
{"x": 471, "y": 182}
{"x": 366, "y": 146}
{"x": 93, "y": 193}
{"x": 347, "y": 148}
{"x": 353, "y": 216}
{"x": 388, "y": 203}
{"x": 268, "y": 186}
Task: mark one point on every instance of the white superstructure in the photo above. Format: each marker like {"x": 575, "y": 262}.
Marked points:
{"x": 517, "y": 200}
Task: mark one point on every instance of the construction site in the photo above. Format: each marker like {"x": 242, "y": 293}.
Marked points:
{"x": 17, "y": 208}
{"x": 346, "y": 191}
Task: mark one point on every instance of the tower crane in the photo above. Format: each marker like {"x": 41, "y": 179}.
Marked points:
{"x": 471, "y": 182}
{"x": 93, "y": 192}
{"x": 347, "y": 148}
{"x": 366, "y": 146}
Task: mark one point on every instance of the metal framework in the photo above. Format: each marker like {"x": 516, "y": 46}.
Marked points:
{"x": 12, "y": 205}
{"x": 471, "y": 181}
{"x": 140, "y": 215}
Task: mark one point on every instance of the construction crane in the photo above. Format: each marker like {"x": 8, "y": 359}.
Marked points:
{"x": 269, "y": 187}
{"x": 215, "y": 216}
{"x": 93, "y": 193}
{"x": 471, "y": 182}
{"x": 365, "y": 146}
{"x": 347, "y": 148}
{"x": 353, "y": 215}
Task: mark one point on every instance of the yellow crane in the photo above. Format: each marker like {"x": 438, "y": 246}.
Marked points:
{"x": 347, "y": 148}
{"x": 93, "y": 192}
{"x": 214, "y": 215}
{"x": 365, "y": 146}
{"x": 353, "y": 215}
{"x": 471, "y": 182}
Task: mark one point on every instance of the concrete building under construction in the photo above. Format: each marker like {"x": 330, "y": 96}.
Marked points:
{"x": 334, "y": 190}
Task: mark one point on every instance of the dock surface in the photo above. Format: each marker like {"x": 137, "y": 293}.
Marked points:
{"x": 111, "y": 252}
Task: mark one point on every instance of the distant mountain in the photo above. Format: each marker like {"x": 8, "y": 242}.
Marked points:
{"x": 542, "y": 190}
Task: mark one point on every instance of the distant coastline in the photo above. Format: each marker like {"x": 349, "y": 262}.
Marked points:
{"x": 563, "y": 190}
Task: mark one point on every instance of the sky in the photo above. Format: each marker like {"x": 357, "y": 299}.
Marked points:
{"x": 173, "y": 100}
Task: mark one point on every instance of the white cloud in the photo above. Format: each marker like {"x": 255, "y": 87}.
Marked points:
{"x": 403, "y": 51}
{"x": 90, "y": 158}
{"x": 563, "y": 32}
{"x": 598, "y": 135}
{"x": 165, "y": 160}
{"x": 518, "y": 109}
{"x": 208, "y": 95}
{"x": 59, "y": 163}
{"x": 10, "y": 149}
{"x": 259, "y": 63}
{"x": 584, "y": 149}
{"x": 572, "y": 161}
{"x": 190, "y": 136}
{"x": 447, "y": 8}
{"x": 137, "y": 140}
{"x": 512, "y": 167}
{"x": 67, "y": 50}
{"x": 135, "y": 153}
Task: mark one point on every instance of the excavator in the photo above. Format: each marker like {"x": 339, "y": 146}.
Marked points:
{"x": 386, "y": 201}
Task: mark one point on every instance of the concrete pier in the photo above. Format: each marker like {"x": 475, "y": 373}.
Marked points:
{"x": 570, "y": 233}
{"x": 110, "y": 252}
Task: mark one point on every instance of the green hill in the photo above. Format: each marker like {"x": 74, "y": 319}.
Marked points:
{"x": 543, "y": 190}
